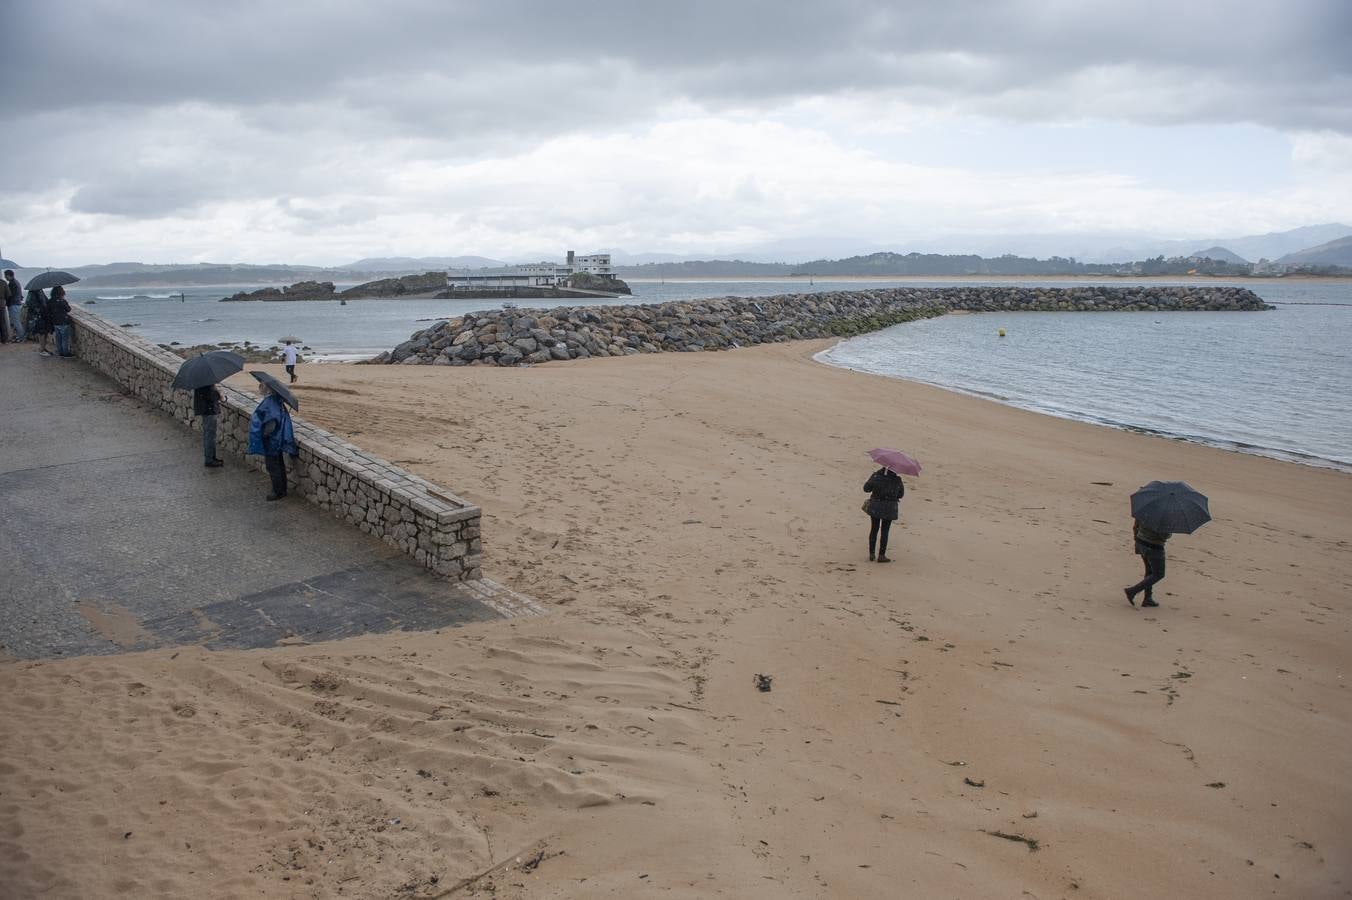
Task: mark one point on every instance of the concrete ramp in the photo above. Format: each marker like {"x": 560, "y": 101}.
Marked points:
{"x": 115, "y": 537}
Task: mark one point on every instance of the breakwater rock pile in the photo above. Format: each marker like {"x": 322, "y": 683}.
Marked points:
{"x": 514, "y": 336}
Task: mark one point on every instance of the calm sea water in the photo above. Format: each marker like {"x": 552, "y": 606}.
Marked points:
{"x": 1277, "y": 383}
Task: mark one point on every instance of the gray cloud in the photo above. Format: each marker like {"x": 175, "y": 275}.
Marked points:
{"x": 459, "y": 63}
{"x": 320, "y": 109}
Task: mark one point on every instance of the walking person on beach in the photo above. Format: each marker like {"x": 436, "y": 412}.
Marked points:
{"x": 58, "y": 315}
{"x": 206, "y": 403}
{"x": 38, "y": 326}
{"x": 883, "y": 507}
{"x": 1150, "y": 547}
{"x": 14, "y": 306}
{"x": 1161, "y": 509}
{"x": 290, "y": 354}
{"x": 271, "y": 436}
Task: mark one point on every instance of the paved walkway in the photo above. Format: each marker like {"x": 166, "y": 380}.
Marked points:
{"x": 114, "y": 537}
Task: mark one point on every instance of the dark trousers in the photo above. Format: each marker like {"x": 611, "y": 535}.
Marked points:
{"x": 276, "y": 467}
{"x": 209, "y": 438}
{"x": 291, "y": 370}
{"x": 1153, "y": 557}
{"x": 877, "y": 534}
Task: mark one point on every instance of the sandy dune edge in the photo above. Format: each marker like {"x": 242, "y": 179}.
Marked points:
{"x": 692, "y": 520}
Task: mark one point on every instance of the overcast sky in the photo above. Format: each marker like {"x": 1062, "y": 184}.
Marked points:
{"x": 323, "y": 131}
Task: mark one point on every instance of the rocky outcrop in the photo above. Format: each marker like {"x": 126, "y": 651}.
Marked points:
{"x": 585, "y": 281}
{"x": 514, "y": 336}
{"x": 301, "y": 290}
{"x": 425, "y": 283}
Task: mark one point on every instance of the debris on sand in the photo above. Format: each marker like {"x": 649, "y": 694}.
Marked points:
{"x": 1018, "y": 838}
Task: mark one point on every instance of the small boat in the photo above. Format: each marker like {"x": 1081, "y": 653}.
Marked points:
{"x": 507, "y": 304}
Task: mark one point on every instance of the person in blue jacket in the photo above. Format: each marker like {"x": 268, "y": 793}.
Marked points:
{"x": 271, "y": 436}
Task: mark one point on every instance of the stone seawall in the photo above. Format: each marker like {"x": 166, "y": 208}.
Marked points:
{"x": 438, "y": 529}
{"x": 514, "y": 336}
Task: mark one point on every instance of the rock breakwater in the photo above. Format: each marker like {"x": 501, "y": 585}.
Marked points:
{"x": 514, "y": 336}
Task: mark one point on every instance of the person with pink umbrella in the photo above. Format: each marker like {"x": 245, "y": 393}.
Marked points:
{"x": 885, "y": 491}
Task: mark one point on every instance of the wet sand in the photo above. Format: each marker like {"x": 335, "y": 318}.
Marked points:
{"x": 986, "y": 716}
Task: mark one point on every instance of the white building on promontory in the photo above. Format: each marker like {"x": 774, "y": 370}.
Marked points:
{"x": 541, "y": 274}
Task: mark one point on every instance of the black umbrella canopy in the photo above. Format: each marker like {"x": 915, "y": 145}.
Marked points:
{"x": 1170, "y": 507}
{"x": 49, "y": 280}
{"x": 211, "y": 367}
{"x": 278, "y": 388}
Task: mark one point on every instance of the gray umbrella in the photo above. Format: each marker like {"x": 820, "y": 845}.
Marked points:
{"x": 1170, "y": 507}
{"x": 278, "y": 388}
{"x": 49, "y": 280}
{"x": 211, "y": 367}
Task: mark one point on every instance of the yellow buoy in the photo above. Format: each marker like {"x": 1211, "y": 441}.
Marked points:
{"x": 1002, "y": 332}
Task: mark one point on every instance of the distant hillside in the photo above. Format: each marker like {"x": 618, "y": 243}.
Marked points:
{"x": 419, "y": 264}
{"x": 704, "y": 268}
{"x": 212, "y": 275}
{"x": 872, "y": 264}
{"x": 1220, "y": 254}
{"x": 1333, "y": 253}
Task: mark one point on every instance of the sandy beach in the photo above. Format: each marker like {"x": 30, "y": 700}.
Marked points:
{"x": 985, "y": 717}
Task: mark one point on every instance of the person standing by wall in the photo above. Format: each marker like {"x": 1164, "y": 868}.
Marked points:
{"x": 271, "y": 436}
{"x": 14, "y": 306}
{"x": 6, "y": 329}
{"x": 206, "y": 403}
{"x": 290, "y": 353}
{"x": 58, "y": 315}
{"x": 35, "y": 307}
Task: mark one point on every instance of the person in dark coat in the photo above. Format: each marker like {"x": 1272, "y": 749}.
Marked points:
{"x": 206, "y": 402}
{"x": 883, "y": 507}
{"x": 1150, "y": 547}
{"x": 271, "y": 436}
{"x": 58, "y": 317}
{"x": 38, "y": 325}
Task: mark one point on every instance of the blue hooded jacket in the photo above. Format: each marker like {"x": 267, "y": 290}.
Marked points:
{"x": 282, "y": 439}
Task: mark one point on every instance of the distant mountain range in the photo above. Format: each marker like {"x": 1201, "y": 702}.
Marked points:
{"x": 1220, "y": 254}
{"x": 1324, "y": 246}
{"x": 421, "y": 263}
{"x": 1333, "y": 253}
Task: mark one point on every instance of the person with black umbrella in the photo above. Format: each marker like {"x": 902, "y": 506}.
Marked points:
{"x": 200, "y": 375}
{"x": 270, "y": 431}
{"x": 206, "y": 404}
{"x": 58, "y": 316}
{"x": 38, "y": 324}
{"x": 1160, "y": 509}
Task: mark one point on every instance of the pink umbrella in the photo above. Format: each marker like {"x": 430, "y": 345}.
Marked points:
{"x": 895, "y": 460}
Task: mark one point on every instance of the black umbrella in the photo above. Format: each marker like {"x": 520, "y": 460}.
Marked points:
{"x": 49, "y": 280}
{"x": 278, "y": 388}
{"x": 1170, "y": 507}
{"x": 211, "y": 367}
